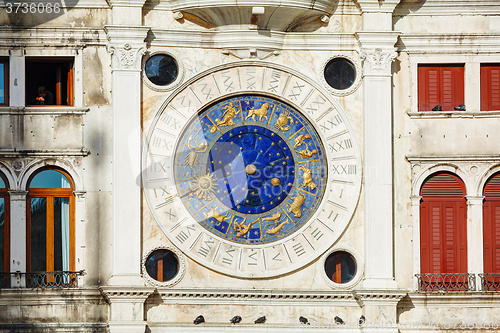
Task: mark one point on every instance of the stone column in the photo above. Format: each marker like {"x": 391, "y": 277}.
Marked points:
{"x": 126, "y": 45}
{"x": 380, "y": 310}
{"x": 17, "y": 78}
{"x": 80, "y": 233}
{"x": 475, "y": 262}
{"x": 378, "y": 52}
{"x": 18, "y": 233}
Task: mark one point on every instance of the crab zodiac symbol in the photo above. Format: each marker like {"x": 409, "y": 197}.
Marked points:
{"x": 282, "y": 121}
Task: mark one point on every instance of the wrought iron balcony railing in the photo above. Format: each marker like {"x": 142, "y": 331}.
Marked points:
{"x": 490, "y": 281}
{"x": 448, "y": 282}
{"x": 59, "y": 279}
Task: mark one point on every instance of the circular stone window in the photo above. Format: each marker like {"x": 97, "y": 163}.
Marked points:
{"x": 161, "y": 69}
{"x": 163, "y": 266}
{"x": 340, "y": 267}
{"x": 340, "y": 73}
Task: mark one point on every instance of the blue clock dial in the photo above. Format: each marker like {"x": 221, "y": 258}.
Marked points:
{"x": 250, "y": 169}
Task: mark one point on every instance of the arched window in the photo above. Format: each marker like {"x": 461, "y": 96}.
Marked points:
{"x": 4, "y": 231}
{"x": 443, "y": 229}
{"x": 491, "y": 225}
{"x": 51, "y": 223}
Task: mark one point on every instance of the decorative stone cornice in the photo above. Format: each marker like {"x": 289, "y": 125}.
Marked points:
{"x": 380, "y": 296}
{"x": 241, "y": 39}
{"x": 448, "y": 7}
{"x": 377, "y": 51}
{"x": 125, "y": 294}
{"x": 228, "y": 296}
{"x": 60, "y": 37}
{"x": 22, "y": 110}
{"x": 449, "y": 43}
{"x": 453, "y": 158}
{"x": 377, "y": 6}
{"x": 9, "y": 153}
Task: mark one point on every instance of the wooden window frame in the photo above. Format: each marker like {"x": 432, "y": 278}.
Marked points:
{"x": 6, "y": 81}
{"x": 50, "y": 194}
{"x": 457, "y": 86}
{"x": 70, "y": 93}
{"x": 486, "y": 88}
{"x": 5, "y": 195}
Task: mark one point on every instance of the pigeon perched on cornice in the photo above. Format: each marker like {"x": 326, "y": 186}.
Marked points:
{"x": 260, "y": 320}
{"x": 235, "y": 320}
{"x": 461, "y": 107}
{"x": 339, "y": 320}
{"x": 437, "y": 108}
{"x": 199, "y": 320}
{"x": 361, "y": 320}
{"x": 304, "y": 320}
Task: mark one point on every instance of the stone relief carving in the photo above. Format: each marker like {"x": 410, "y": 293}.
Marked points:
{"x": 379, "y": 60}
{"x": 126, "y": 57}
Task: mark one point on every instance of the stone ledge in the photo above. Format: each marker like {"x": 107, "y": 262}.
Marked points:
{"x": 43, "y": 110}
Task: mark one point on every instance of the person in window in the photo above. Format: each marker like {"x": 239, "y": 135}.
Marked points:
{"x": 44, "y": 97}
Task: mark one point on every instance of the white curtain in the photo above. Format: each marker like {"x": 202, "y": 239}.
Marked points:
{"x": 65, "y": 226}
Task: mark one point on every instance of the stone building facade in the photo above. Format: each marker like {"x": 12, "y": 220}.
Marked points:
{"x": 112, "y": 212}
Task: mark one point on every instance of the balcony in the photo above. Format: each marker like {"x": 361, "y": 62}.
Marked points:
{"x": 446, "y": 282}
{"x": 60, "y": 279}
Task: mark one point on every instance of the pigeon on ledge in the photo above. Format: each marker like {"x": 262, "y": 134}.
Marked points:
{"x": 437, "y": 108}
{"x": 235, "y": 320}
{"x": 199, "y": 320}
{"x": 304, "y": 320}
{"x": 260, "y": 320}
{"x": 339, "y": 320}
{"x": 461, "y": 107}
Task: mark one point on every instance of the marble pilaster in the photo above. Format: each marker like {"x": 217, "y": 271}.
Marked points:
{"x": 18, "y": 232}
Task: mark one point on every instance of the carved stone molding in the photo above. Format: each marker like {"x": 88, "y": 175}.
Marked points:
{"x": 379, "y": 60}
{"x": 125, "y": 294}
{"x": 126, "y": 57}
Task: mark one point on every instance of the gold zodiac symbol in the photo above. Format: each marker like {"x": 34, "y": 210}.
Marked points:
{"x": 260, "y": 112}
{"x": 282, "y": 121}
{"x": 272, "y": 218}
{"x": 277, "y": 228}
{"x": 296, "y": 206}
{"x": 299, "y": 140}
{"x": 306, "y": 153}
{"x": 308, "y": 181}
{"x": 192, "y": 156}
{"x": 242, "y": 229}
{"x": 227, "y": 117}
{"x": 216, "y": 215}
{"x": 203, "y": 187}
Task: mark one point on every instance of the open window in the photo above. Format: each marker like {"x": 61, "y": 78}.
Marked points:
{"x": 49, "y": 81}
{"x": 441, "y": 84}
{"x": 50, "y": 229}
{"x": 4, "y": 81}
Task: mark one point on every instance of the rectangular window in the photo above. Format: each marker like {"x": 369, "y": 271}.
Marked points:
{"x": 440, "y": 85}
{"x": 4, "y": 81}
{"x": 49, "y": 81}
{"x": 490, "y": 87}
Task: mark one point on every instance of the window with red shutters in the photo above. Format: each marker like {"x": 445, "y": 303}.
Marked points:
{"x": 440, "y": 85}
{"x": 490, "y": 87}
{"x": 491, "y": 225}
{"x": 443, "y": 230}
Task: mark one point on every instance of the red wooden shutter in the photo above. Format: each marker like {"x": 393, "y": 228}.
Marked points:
{"x": 491, "y": 225}
{"x": 440, "y": 84}
{"x": 490, "y": 87}
{"x": 443, "y": 229}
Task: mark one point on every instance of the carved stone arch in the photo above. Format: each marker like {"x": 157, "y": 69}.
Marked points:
{"x": 483, "y": 179}
{"x": 447, "y": 167}
{"x": 35, "y": 165}
{"x": 6, "y": 170}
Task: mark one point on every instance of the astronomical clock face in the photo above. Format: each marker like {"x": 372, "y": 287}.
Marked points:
{"x": 251, "y": 171}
